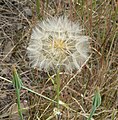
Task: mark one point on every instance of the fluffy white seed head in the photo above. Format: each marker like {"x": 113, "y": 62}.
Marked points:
{"x": 58, "y": 42}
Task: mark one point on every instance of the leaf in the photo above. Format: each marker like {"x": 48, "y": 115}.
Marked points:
{"x": 96, "y": 102}
{"x": 97, "y": 98}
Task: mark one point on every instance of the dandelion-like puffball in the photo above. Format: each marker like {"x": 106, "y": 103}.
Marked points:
{"x": 58, "y": 42}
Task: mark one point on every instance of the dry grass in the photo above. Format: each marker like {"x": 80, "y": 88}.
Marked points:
{"x": 100, "y": 20}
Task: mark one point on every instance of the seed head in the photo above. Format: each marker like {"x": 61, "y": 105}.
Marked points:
{"x": 58, "y": 42}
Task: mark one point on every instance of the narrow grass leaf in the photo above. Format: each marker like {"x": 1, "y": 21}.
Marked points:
{"x": 96, "y": 102}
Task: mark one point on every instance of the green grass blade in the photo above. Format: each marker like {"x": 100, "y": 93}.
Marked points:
{"x": 96, "y": 103}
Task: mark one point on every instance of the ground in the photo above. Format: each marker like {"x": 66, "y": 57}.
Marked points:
{"x": 99, "y": 18}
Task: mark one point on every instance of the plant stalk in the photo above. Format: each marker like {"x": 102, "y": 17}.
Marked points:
{"x": 18, "y": 103}
{"x": 38, "y": 8}
{"x": 58, "y": 88}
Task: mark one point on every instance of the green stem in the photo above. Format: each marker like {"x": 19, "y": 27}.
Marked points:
{"x": 58, "y": 88}
{"x": 38, "y": 8}
{"x": 18, "y": 103}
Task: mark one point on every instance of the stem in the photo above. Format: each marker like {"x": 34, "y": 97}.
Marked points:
{"x": 58, "y": 88}
{"x": 38, "y": 8}
{"x": 18, "y": 103}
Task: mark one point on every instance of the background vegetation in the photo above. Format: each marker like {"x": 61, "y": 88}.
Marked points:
{"x": 100, "y": 20}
